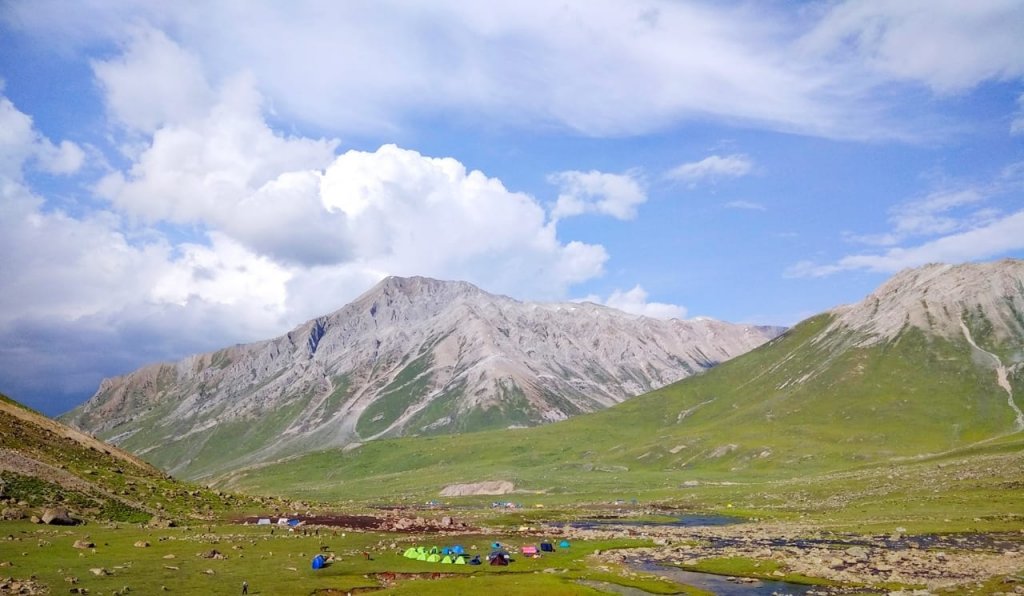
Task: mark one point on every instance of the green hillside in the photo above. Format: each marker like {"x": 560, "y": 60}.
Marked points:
{"x": 45, "y": 464}
{"x": 806, "y": 406}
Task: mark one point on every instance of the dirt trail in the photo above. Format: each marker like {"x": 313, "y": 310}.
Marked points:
{"x": 1001, "y": 378}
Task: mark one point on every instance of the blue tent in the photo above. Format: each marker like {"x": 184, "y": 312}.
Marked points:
{"x": 293, "y": 522}
{"x": 563, "y": 544}
{"x": 458, "y": 550}
{"x": 319, "y": 562}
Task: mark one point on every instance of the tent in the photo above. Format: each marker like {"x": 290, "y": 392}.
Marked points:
{"x": 563, "y": 544}
{"x": 411, "y": 553}
{"x": 529, "y": 550}
{"x": 447, "y": 560}
{"x": 433, "y": 558}
{"x": 293, "y": 522}
{"x": 498, "y": 557}
{"x": 458, "y": 550}
{"x": 547, "y": 547}
{"x": 319, "y": 562}
{"x": 460, "y": 560}
{"x": 474, "y": 561}
{"x": 263, "y": 521}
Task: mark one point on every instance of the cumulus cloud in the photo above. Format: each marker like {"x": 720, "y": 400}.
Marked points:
{"x": 635, "y": 301}
{"x": 617, "y": 195}
{"x": 21, "y": 143}
{"x": 153, "y": 82}
{"x": 411, "y": 214}
{"x": 713, "y": 167}
{"x": 214, "y": 161}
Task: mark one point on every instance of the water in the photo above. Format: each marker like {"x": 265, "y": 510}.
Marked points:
{"x": 723, "y": 585}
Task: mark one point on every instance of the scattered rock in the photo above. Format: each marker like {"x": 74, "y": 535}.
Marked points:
{"x": 99, "y": 571}
{"x": 83, "y": 544}
{"x": 141, "y": 544}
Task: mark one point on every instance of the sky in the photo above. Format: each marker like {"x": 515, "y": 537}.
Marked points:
{"x": 177, "y": 177}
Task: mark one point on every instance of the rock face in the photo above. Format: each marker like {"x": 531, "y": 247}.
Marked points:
{"x": 410, "y": 356}
{"x": 941, "y": 300}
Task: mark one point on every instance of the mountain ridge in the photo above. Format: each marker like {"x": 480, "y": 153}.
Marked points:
{"x": 409, "y": 356}
{"x": 825, "y": 398}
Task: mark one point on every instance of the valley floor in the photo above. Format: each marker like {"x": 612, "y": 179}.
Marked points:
{"x": 623, "y": 555}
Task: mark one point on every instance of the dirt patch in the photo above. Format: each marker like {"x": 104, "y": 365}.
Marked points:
{"x": 491, "y": 487}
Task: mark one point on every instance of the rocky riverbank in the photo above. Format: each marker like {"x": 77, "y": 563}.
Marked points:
{"x": 932, "y": 562}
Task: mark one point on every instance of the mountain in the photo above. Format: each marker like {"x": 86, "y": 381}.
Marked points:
{"x": 410, "y": 356}
{"x": 928, "y": 365}
{"x": 45, "y": 465}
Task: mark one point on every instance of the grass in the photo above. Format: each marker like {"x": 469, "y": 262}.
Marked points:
{"x": 279, "y": 564}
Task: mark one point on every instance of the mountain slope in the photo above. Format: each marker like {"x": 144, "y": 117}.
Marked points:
{"x": 44, "y": 463}
{"x": 840, "y": 391}
{"x": 410, "y": 356}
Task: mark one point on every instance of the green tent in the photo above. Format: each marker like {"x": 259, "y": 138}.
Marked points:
{"x": 447, "y": 560}
{"x": 434, "y": 558}
{"x": 460, "y": 560}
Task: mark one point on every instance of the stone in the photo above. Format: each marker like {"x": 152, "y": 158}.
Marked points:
{"x": 57, "y": 516}
{"x": 83, "y": 544}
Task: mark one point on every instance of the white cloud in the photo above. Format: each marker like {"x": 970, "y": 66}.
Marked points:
{"x": 617, "y": 195}
{"x": 635, "y": 301}
{"x": 212, "y": 160}
{"x": 599, "y": 67}
{"x": 746, "y": 205}
{"x": 712, "y": 167}
{"x": 949, "y": 225}
{"x": 21, "y": 144}
{"x": 153, "y": 82}
{"x": 947, "y": 45}
{"x": 410, "y": 214}
{"x": 1017, "y": 124}
{"x": 994, "y": 239}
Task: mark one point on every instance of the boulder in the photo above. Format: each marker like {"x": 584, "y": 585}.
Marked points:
{"x": 57, "y": 516}
{"x": 83, "y": 544}
{"x": 141, "y": 544}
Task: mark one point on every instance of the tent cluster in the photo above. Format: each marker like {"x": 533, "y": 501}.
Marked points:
{"x": 456, "y": 555}
{"x": 449, "y": 555}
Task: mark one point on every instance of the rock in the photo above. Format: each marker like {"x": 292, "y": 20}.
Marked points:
{"x": 446, "y": 522}
{"x": 141, "y": 544}
{"x": 856, "y": 553}
{"x": 12, "y": 513}
{"x": 57, "y": 516}
{"x": 159, "y": 522}
{"x": 35, "y": 519}
{"x": 99, "y": 571}
{"x": 83, "y": 544}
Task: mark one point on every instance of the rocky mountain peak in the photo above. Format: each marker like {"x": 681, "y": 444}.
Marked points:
{"x": 410, "y": 356}
{"x": 940, "y": 299}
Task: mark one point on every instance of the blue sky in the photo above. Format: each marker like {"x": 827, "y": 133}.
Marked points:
{"x": 178, "y": 177}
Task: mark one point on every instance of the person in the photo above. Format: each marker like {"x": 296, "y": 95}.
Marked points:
{"x": 245, "y": 587}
